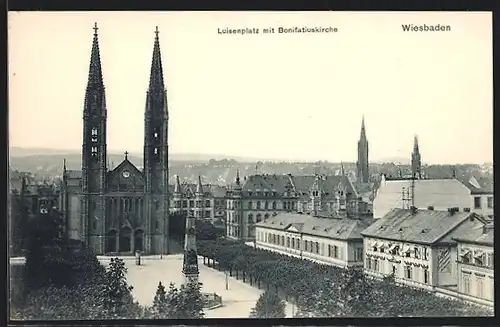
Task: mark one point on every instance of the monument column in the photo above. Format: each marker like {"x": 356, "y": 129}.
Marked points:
{"x": 190, "y": 263}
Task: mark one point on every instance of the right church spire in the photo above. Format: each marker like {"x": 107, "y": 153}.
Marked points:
{"x": 362, "y": 173}
{"x": 416, "y": 163}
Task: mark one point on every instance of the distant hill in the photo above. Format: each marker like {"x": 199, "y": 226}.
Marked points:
{"x": 396, "y": 160}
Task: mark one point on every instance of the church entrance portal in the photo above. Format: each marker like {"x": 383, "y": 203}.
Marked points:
{"x": 111, "y": 242}
{"x": 138, "y": 240}
{"x": 125, "y": 240}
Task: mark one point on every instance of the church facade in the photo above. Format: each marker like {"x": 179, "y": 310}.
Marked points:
{"x": 124, "y": 209}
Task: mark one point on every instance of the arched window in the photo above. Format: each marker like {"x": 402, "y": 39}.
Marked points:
{"x": 274, "y": 205}
{"x": 266, "y": 216}
{"x": 259, "y": 218}
{"x": 266, "y": 205}
{"x": 250, "y": 218}
{"x": 258, "y": 205}
{"x": 282, "y": 241}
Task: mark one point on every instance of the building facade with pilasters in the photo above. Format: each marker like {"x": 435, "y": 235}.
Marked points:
{"x": 417, "y": 246}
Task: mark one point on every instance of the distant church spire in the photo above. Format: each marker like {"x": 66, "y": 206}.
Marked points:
{"x": 362, "y": 172}
{"x": 416, "y": 164}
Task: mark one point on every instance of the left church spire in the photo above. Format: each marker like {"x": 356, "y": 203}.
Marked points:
{"x": 95, "y": 71}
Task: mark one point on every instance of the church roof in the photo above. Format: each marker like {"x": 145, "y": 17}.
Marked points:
{"x": 210, "y": 190}
{"x": 125, "y": 165}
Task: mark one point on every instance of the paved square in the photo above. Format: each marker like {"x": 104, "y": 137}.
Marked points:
{"x": 237, "y": 301}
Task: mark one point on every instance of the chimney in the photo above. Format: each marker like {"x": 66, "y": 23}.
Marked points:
{"x": 452, "y": 210}
{"x": 466, "y": 209}
{"x": 430, "y": 208}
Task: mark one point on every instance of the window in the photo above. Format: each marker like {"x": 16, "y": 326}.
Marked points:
{"x": 368, "y": 263}
{"x": 408, "y": 272}
{"x": 155, "y": 151}
{"x": 425, "y": 254}
{"x": 274, "y": 205}
{"x": 258, "y": 205}
{"x": 317, "y": 248}
{"x": 374, "y": 249}
{"x": 335, "y": 251}
{"x": 466, "y": 284}
{"x": 191, "y": 203}
{"x": 207, "y": 214}
{"x": 477, "y": 202}
{"x": 94, "y": 131}
{"x": 417, "y": 253}
{"x": 375, "y": 264}
{"x": 382, "y": 249}
{"x": 489, "y": 260}
{"x": 283, "y": 240}
{"x": 490, "y": 202}
{"x": 358, "y": 254}
{"x": 293, "y": 243}
{"x": 249, "y": 204}
{"x": 479, "y": 258}
{"x": 266, "y": 205}
{"x": 155, "y": 135}
{"x": 288, "y": 242}
{"x": 407, "y": 253}
{"x": 479, "y": 288}
{"x": 94, "y": 151}
{"x": 426, "y": 276}
{"x": 207, "y": 203}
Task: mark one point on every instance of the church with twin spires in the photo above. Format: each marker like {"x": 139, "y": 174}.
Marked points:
{"x": 125, "y": 209}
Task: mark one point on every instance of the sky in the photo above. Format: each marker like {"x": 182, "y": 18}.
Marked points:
{"x": 275, "y": 96}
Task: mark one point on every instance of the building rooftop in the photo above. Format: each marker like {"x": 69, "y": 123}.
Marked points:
{"x": 335, "y": 228}
{"x": 440, "y": 193}
{"x": 483, "y": 236}
{"x": 297, "y": 185}
{"x": 420, "y": 226}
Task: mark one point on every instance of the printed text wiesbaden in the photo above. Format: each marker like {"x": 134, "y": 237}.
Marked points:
{"x": 426, "y": 28}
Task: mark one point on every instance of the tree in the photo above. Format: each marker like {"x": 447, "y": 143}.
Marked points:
{"x": 355, "y": 294}
{"x": 190, "y": 301}
{"x": 117, "y": 293}
{"x": 160, "y": 303}
{"x": 269, "y": 305}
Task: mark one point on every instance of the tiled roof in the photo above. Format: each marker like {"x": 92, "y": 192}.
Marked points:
{"x": 478, "y": 185}
{"x": 479, "y": 236}
{"x": 440, "y": 193}
{"x": 335, "y": 228}
{"x": 423, "y": 226}
{"x": 300, "y": 184}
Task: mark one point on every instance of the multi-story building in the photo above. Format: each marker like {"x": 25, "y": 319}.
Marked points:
{"x": 124, "y": 209}
{"x": 437, "y": 193}
{"x": 476, "y": 276}
{"x": 200, "y": 200}
{"x": 417, "y": 246}
{"x": 333, "y": 241}
{"x": 263, "y": 196}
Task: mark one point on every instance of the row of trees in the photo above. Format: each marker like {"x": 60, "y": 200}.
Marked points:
{"x": 324, "y": 291}
{"x": 63, "y": 281}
